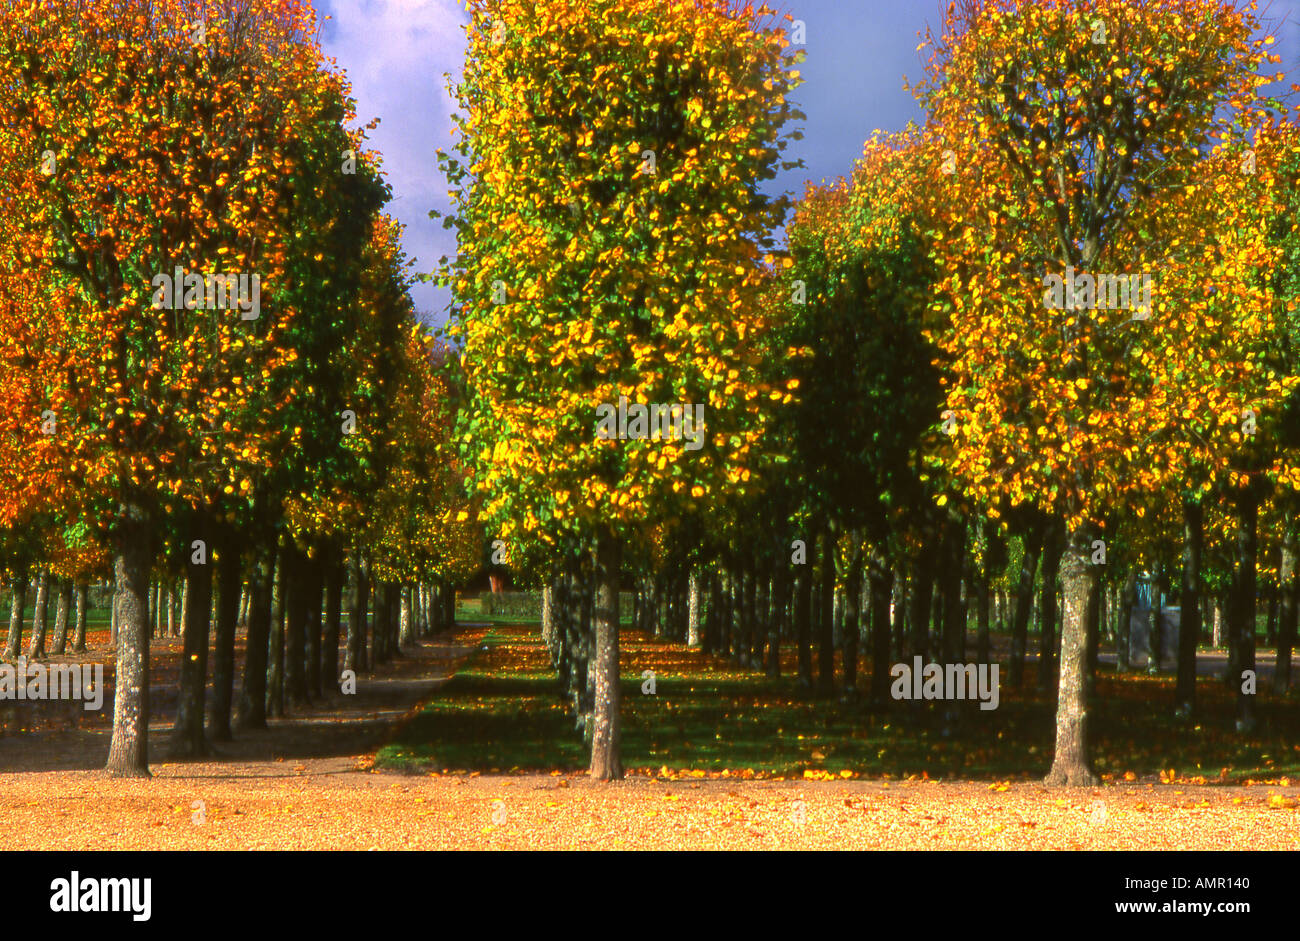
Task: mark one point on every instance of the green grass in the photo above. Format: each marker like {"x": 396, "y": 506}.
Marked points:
{"x": 470, "y": 610}
{"x": 501, "y": 713}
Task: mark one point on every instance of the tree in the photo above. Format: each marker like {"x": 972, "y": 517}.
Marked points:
{"x": 609, "y": 225}
{"x": 856, "y": 289}
{"x": 1070, "y": 124}
{"x": 160, "y": 126}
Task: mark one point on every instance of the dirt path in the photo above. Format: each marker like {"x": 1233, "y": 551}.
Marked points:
{"x": 55, "y": 786}
{"x": 338, "y": 729}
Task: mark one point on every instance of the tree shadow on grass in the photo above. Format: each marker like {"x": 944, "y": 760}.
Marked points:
{"x": 504, "y": 714}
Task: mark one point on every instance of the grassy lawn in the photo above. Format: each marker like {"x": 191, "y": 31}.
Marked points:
{"x": 502, "y": 713}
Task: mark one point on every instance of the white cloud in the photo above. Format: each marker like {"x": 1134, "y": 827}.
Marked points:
{"x": 395, "y": 53}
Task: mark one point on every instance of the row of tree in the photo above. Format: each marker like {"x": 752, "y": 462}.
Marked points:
{"x": 275, "y": 424}
{"x": 904, "y": 403}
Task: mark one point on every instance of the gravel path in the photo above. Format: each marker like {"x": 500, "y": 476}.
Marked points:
{"x": 283, "y": 805}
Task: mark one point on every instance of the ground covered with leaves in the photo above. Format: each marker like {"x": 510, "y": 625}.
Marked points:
{"x": 719, "y": 758}
{"x": 706, "y": 715}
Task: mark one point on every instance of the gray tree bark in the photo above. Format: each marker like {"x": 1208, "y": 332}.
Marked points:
{"x": 63, "y": 608}
{"x": 17, "y": 612}
{"x": 128, "y": 754}
{"x": 187, "y": 735}
{"x": 1072, "y": 763}
{"x": 606, "y": 764}
{"x": 83, "y": 604}
{"x": 36, "y": 648}
{"x": 252, "y": 693}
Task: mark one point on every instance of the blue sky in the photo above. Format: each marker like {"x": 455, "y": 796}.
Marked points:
{"x": 858, "y": 54}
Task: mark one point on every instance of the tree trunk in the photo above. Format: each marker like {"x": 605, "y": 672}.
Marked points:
{"x": 1024, "y": 599}
{"x": 921, "y": 602}
{"x": 562, "y": 657}
{"x": 953, "y": 625}
{"x": 419, "y": 624}
{"x": 275, "y": 641}
{"x": 161, "y": 628}
{"x": 726, "y": 612}
{"x": 153, "y": 609}
{"x": 63, "y": 607}
{"x": 693, "y": 615}
{"x": 381, "y": 647}
{"x": 17, "y": 611}
{"x": 83, "y": 603}
{"x": 938, "y": 594}
{"x": 329, "y": 666}
{"x": 1247, "y": 552}
{"x": 825, "y": 618}
{"x": 587, "y": 614}
{"x": 981, "y": 589}
{"x": 1288, "y": 611}
{"x": 803, "y": 625}
{"x": 1047, "y": 612}
{"x": 852, "y": 618}
{"x": 36, "y": 648}
{"x": 1156, "y": 631}
{"x": 185, "y": 601}
{"x": 128, "y": 755}
{"x": 761, "y": 602}
{"x": 641, "y": 614}
{"x": 1094, "y": 636}
{"x": 112, "y": 618}
{"x": 777, "y": 622}
{"x": 900, "y": 601}
{"x": 548, "y": 620}
{"x": 1189, "y": 617}
{"x": 745, "y": 604}
{"x": 837, "y": 619}
{"x": 358, "y": 608}
{"x": 605, "y": 760}
{"x": 579, "y": 647}
{"x": 187, "y": 734}
{"x": 294, "y": 596}
{"x": 392, "y": 643}
{"x": 314, "y": 580}
{"x": 230, "y": 593}
{"x": 438, "y": 607}
{"x": 252, "y": 693}
{"x": 171, "y": 609}
{"x": 712, "y": 619}
{"x": 1270, "y": 625}
{"x": 1071, "y": 764}
{"x": 881, "y": 576}
{"x": 379, "y": 626}
{"x": 406, "y": 623}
